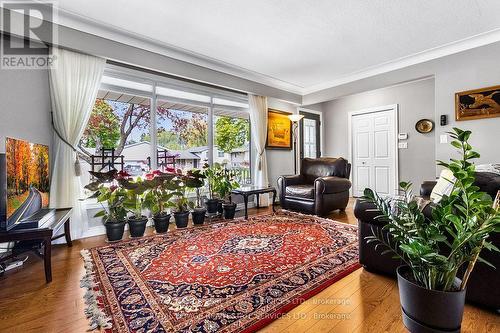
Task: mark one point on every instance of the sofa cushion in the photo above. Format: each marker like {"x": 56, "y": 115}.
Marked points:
{"x": 300, "y": 191}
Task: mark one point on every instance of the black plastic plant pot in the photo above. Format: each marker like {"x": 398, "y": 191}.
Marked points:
{"x": 211, "y": 205}
{"x": 229, "y": 210}
{"x": 198, "y": 215}
{"x": 220, "y": 208}
{"x": 162, "y": 222}
{"x": 114, "y": 230}
{"x": 137, "y": 226}
{"x": 429, "y": 311}
{"x": 181, "y": 219}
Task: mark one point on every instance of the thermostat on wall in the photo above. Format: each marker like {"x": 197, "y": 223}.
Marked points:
{"x": 403, "y": 136}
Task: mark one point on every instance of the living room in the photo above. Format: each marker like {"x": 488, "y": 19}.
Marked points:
{"x": 195, "y": 167}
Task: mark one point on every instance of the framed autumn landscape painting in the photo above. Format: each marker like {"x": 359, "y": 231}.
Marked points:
{"x": 27, "y": 177}
{"x": 279, "y": 130}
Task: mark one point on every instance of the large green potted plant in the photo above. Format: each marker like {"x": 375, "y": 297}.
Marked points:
{"x": 158, "y": 199}
{"x": 105, "y": 189}
{"x": 224, "y": 186}
{"x": 114, "y": 214}
{"x": 212, "y": 174}
{"x": 181, "y": 202}
{"x": 195, "y": 180}
{"x": 134, "y": 203}
{"x": 439, "y": 252}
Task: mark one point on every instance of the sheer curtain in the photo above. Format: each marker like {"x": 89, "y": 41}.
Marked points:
{"x": 74, "y": 81}
{"x": 258, "y": 124}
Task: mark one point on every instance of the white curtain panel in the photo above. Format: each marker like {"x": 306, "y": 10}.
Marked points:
{"x": 258, "y": 125}
{"x": 74, "y": 81}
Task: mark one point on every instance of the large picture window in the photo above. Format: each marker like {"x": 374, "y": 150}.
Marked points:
{"x": 232, "y": 142}
{"x": 190, "y": 126}
{"x": 182, "y": 131}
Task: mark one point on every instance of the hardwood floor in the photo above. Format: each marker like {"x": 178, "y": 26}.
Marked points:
{"x": 360, "y": 302}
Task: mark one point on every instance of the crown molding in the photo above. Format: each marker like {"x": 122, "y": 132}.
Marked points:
{"x": 94, "y": 27}
{"x": 465, "y": 44}
{"x": 101, "y": 29}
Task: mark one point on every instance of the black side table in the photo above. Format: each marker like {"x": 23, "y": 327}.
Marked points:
{"x": 247, "y": 191}
{"x": 44, "y": 235}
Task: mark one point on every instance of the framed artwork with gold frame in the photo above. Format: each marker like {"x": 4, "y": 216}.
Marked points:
{"x": 279, "y": 130}
{"x": 477, "y": 104}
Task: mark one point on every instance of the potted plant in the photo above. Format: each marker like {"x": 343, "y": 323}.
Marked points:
{"x": 114, "y": 214}
{"x": 195, "y": 180}
{"x": 435, "y": 250}
{"x": 212, "y": 174}
{"x": 181, "y": 203}
{"x": 224, "y": 185}
{"x": 134, "y": 203}
{"x": 158, "y": 199}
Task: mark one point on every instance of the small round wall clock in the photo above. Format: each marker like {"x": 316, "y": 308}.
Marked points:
{"x": 424, "y": 126}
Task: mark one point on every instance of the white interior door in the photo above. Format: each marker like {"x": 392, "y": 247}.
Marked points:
{"x": 373, "y": 141}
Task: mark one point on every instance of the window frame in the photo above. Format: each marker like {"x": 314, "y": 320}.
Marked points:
{"x": 157, "y": 81}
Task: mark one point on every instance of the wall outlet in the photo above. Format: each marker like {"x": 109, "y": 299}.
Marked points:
{"x": 403, "y": 145}
{"x": 443, "y": 138}
{"x": 403, "y": 136}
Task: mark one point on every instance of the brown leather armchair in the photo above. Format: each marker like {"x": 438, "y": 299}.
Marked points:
{"x": 322, "y": 186}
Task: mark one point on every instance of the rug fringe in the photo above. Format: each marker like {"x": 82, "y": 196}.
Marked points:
{"x": 98, "y": 318}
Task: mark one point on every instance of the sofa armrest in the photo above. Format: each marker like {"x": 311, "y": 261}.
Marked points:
{"x": 331, "y": 184}
{"x": 426, "y": 188}
{"x": 284, "y": 181}
{"x": 367, "y": 212}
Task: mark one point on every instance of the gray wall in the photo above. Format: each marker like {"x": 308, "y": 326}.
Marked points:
{"x": 415, "y": 100}
{"x": 469, "y": 70}
{"x": 279, "y": 162}
{"x": 25, "y": 106}
{"x": 475, "y": 68}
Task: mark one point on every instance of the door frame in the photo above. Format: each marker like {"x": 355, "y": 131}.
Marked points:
{"x": 321, "y": 137}
{"x": 395, "y": 125}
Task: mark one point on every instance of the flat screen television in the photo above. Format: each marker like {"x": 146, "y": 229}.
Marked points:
{"x": 25, "y": 171}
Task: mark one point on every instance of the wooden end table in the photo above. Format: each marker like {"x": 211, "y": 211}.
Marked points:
{"x": 44, "y": 235}
{"x": 247, "y": 191}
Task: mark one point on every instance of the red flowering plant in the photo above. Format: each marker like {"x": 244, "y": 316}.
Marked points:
{"x": 180, "y": 184}
{"x": 135, "y": 192}
{"x": 158, "y": 197}
{"x": 105, "y": 188}
{"x": 196, "y": 180}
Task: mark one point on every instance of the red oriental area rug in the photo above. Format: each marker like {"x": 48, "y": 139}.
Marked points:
{"x": 234, "y": 276}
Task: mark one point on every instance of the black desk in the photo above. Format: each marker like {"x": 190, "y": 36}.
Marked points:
{"x": 247, "y": 191}
{"x": 44, "y": 235}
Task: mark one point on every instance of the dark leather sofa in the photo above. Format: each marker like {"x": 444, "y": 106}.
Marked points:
{"x": 482, "y": 288}
{"x": 321, "y": 187}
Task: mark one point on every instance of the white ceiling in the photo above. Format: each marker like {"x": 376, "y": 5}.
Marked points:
{"x": 296, "y": 45}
